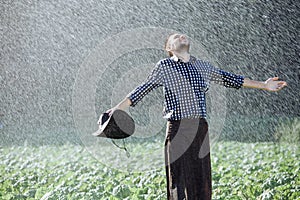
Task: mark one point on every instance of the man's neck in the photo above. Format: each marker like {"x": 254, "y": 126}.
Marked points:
{"x": 184, "y": 56}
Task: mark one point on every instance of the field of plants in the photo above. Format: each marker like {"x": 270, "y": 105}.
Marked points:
{"x": 240, "y": 171}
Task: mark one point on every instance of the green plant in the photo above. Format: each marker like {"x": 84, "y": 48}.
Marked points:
{"x": 289, "y": 131}
{"x": 239, "y": 171}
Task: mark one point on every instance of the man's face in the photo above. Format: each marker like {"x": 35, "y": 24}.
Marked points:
{"x": 178, "y": 42}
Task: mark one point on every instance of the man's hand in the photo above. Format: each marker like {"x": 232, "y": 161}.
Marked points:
{"x": 274, "y": 85}
{"x": 122, "y": 106}
{"x": 109, "y": 111}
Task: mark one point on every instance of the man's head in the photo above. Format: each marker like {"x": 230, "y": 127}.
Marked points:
{"x": 177, "y": 43}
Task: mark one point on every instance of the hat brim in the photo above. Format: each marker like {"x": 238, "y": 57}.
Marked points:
{"x": 99, "y": 132}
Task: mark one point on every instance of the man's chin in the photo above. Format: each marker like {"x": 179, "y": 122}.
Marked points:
{"x": 185, "y": 43}
{"x": 185, "y": 46}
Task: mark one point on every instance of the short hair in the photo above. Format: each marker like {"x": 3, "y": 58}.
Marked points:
{"x": 167, "y": 44}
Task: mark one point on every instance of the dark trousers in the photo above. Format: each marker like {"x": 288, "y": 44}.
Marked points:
{"x": 187, "y": 159}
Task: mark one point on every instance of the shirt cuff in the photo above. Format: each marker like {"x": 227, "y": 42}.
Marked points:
{"x": 133, "y": 100}
{"x": 240, "y": 81}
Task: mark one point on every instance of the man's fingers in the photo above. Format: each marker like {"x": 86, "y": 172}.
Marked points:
{"x": 282, "y": 84}
{"x": 275, "y": 78}
{"x": 110, "y": 111}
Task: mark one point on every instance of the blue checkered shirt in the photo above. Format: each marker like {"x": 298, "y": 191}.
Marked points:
{"x": 185, "y": 85}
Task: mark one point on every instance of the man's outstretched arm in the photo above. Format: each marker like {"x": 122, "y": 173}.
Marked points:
{"x": 272, "y": 84}
{"x": 123, "y": 105}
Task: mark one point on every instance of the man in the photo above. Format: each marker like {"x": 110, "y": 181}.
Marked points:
{"x": 186, "y": 79}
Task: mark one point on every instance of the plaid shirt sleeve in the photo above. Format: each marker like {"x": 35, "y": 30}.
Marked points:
{"x": 226, "y": 79}
{"x": 154, "y": 80}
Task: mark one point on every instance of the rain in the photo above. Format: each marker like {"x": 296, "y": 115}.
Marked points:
{"x": 63, "y": 63}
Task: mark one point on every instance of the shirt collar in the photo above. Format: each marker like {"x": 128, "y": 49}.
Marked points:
{"x": 176, "y": 59}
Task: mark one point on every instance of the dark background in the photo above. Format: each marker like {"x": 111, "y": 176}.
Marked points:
{"x": 43, "y": 44}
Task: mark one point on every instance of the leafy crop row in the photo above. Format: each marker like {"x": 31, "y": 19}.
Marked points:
{"x": 240, "y": 171}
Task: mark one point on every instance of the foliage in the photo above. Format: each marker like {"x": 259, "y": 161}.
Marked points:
{"x": 289, "y": 131}
{"x": 256, "y": 171}
{"x": 240, "y": 171}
